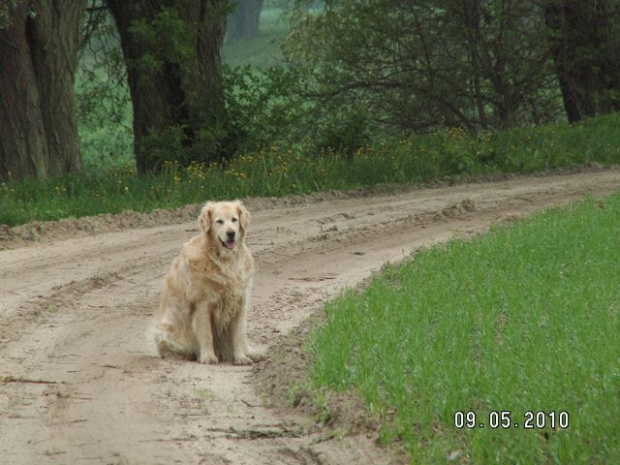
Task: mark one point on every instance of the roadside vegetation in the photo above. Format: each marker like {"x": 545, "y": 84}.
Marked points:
{"x": 453, "y": 348}
{"x": 276, "y": 171}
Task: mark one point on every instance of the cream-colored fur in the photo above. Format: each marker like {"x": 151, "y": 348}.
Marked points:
{"x": 204, "y": 302}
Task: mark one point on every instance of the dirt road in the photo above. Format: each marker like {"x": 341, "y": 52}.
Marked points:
{"x": 79, "y": 383}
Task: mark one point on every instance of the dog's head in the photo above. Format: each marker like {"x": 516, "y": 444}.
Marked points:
{"x": 224, "y": 223}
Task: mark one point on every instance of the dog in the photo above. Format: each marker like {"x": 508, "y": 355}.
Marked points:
{"x": 204, "y": 302}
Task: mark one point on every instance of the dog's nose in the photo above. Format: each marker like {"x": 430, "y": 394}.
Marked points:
{"x": 231, "y": 235}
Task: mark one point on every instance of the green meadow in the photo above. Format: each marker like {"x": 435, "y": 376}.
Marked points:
{"x": 502, "y": 349}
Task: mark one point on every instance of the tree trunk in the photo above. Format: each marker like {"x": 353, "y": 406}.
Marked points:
{"x": 471, "y": 18}
{"x": 585, "y": 47}
{"x": 244, "y": 20}
{"x": 38, "y": 56}
{"x": 185, "y": 90}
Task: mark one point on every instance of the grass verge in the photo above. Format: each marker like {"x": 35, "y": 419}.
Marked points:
{"x": 524, "y": 319}
{"x": 276, "y": 171}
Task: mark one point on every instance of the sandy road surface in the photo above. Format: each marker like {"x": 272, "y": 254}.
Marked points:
{"x": 79, "y": 384}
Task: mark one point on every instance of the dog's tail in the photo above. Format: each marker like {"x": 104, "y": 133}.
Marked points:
{"x": 167, "y": 346}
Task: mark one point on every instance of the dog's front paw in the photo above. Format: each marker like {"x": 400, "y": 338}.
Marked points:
{"x": 209, "y": 359}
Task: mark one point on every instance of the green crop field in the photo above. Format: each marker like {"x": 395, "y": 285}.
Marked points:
{"x": 503, "y": 349}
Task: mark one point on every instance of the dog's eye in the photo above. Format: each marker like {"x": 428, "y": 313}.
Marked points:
{"x": 234, "y": 220}
{"x": 219, "y": 221}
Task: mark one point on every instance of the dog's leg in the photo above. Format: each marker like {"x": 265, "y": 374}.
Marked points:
{"x": 201, "y": 324}
{"x": 242, "y": 353}
{"x": 239, "y": 342}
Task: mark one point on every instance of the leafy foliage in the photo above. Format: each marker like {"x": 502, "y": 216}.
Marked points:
{"x": 416, "y": 65}
{"x": 167, "y": 38}
{"x": 265, "y": 106}
{"x": 358, "y": 72}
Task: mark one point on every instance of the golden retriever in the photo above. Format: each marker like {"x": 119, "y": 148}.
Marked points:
{"x": 204, "y": 302}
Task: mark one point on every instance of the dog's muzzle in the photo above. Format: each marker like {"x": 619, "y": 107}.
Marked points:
{"x": 230, "y": 241}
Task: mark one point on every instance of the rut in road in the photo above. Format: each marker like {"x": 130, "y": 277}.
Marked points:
{"x": 79, "y": 382}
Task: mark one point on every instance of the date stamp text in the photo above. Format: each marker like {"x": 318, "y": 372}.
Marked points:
{"x": 505, "y": 419}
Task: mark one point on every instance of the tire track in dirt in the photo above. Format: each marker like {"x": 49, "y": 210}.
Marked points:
{"x": 80, "y": 384}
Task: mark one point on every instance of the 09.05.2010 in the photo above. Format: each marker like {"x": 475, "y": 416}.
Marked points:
{"x": 504, "y": 419}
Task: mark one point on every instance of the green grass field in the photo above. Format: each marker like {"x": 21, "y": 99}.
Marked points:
{"x": 524, "y": 319}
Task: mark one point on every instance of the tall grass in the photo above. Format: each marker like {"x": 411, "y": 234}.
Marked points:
{"x": 277, "y": 171}
{"x": 525, "y": 319}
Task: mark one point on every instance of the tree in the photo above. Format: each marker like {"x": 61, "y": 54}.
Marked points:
{"x": 243, "y": 20}
{"x": 508, "y": 65}
{"x": 38, "y": 55}
{"x": 172, "y": 52}
{"x": 411, "y": 66}
{"x": 585, "y": 42}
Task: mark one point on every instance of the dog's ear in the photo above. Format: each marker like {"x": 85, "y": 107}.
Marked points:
{"x": 244, "y": 215}
{"x": 205, "y": 217}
